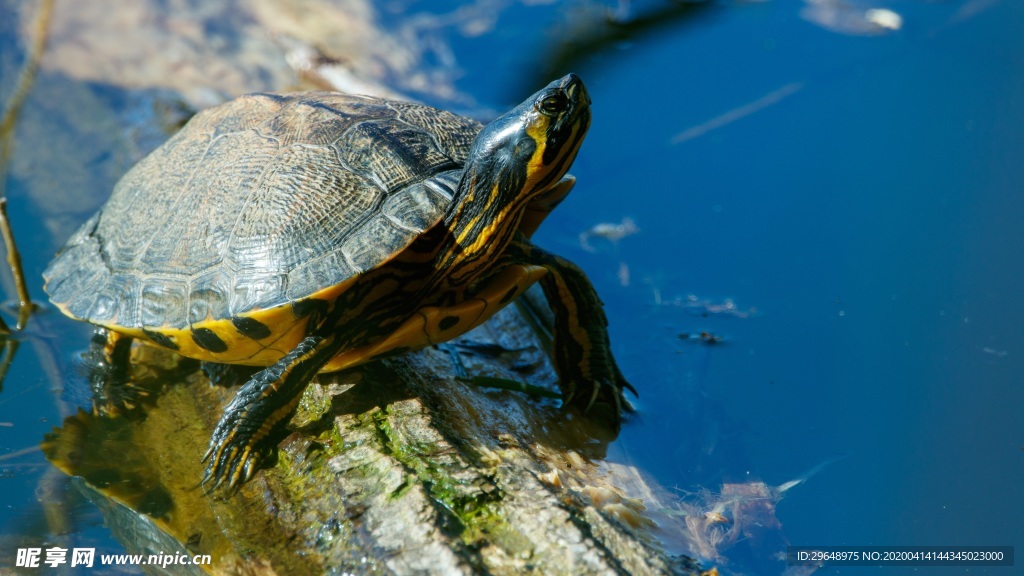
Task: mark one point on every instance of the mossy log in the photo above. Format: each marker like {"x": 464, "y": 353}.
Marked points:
{"x": 397, "y": 468}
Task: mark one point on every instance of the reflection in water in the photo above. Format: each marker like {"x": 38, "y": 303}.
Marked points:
{"x": 6, "y": 357}
{"x": 141, "y": 468}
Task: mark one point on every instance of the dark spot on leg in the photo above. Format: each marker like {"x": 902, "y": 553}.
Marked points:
{"x": 448, "y": 322}
{"x": 208, "y": 340}
{"x": 508, "y": 295}
{"x": 251, "y": 328}
{"x": 160, "y": 339}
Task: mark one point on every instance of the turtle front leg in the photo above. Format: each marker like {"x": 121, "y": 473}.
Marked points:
{"x": 588, "y": 375}
{"x": 243, "y": 437}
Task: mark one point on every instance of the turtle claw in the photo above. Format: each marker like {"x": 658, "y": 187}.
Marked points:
{"x": 229, "y": 463}
{"x": 212, "y": 476}
{"x": 254, "y": 420}
{"x": 603, "y": 399}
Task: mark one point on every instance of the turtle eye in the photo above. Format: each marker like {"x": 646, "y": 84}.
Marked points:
{"x": 554, "y": 104}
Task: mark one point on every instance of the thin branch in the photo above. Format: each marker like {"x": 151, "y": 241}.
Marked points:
{"x": 14, "y": 260}
{"x": 25, "y": 81}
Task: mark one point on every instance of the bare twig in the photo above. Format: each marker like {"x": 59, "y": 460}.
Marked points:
{"x": 7, "y": 123}
{"x": 14, "y": 260}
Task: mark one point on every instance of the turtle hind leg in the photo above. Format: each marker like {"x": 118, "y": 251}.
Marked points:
{"x": 109, "y": 367}
{"x": 253, "y": 421}
{"x": 588, "y": 375}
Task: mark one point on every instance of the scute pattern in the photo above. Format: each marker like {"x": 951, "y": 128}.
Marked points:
{"x": 260, "y": 201}
{"x": 390, "y": 153}
{"x": 416, "y": 207}
{"x": 449, "y": 129}
{"x": 289, "y": 206}
{"x": 163, "y": 301}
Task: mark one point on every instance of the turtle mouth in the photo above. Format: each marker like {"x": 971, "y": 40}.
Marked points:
{"x": 575, "y": 90}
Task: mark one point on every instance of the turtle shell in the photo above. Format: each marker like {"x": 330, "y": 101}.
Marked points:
{"x": 260, "y": 202}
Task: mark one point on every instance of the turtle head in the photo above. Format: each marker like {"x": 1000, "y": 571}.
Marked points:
{"x": 518, "y": 156}
{"x": 515, "y": 159}
{"x": 531, "y": 147}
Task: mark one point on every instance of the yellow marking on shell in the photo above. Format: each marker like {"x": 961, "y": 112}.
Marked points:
{"x": 419, "y": 331}
{"x": 286, "y": 331}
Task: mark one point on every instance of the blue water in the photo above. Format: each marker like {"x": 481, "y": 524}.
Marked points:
{"x": 871, "y": 215}
{"x": 864, "y": 195}
{"x": 860, "y": 196}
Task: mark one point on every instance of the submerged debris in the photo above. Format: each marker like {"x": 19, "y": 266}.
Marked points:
{"x": 740, "y": 512}
{"x": 849, "y": 18}
{"x": 702, "y": 337}
{"x": 611, "y": 231}
{"x": 884, "y": 18}
{"x": 705, "y": 307}
{"x": 623, "y": 274}
{"x": 629, "y": 511}
{"x": 995, "y": 352}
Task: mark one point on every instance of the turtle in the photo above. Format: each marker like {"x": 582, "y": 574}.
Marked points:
{"x": 310, "y": 232}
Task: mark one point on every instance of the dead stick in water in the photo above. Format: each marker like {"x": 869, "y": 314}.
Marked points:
{"x": 25, "y": 81}
{"x": 14, "y": 260}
